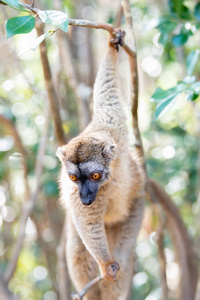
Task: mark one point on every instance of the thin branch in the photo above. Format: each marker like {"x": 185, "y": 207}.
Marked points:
{"x": 160, "y": 240}
{"x": 64, "y": 284}
{"x": 48, "y": 253}
{"x": 52, "y": 97}
{"x": 5, "y": 293}
{"x": 33, "y": 3}
{"x": 29, "y": 205}
{"x": 119, "y": 15}
{"x": 161, "y": 255}
{"x": 79, "y": 296}
{"x": 21, "y": 148}
{"x": 187, "y": 257}
{"x": 134, "y": 78}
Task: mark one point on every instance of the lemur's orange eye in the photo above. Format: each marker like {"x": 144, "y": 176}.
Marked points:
{"x": 96, "y": 176}
{"x": 73, "y": 177}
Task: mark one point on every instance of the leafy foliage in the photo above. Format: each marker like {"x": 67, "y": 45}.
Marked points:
{"x": 166, "y": 98}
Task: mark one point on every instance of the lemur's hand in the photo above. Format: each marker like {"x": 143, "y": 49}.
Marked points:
{"x": 118, "y": 38}
{"x": 109, "y": 270}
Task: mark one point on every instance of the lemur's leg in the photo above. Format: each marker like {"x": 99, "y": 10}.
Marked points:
{"x": 82, "y": 267}
{"x": 122, "y": 238}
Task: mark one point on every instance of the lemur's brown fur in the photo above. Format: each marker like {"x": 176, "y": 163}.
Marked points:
{"x": 104, "y": 234}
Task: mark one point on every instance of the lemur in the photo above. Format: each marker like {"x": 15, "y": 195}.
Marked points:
{"x": 102, "y": 187}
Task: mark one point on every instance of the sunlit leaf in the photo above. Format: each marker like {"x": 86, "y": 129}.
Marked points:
{"x": 19, "y": 25}
{"x": 163, "y": 107}
{"x": 161, "y": 94}
{"x": 37, "y": 42}
{"x": 14, "y": 4}
{"x": 55, "y": 17}
{"x": 192, "y": 60}
{"x": 196, "y": 86}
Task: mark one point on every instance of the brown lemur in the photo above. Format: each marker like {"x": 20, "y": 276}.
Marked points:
{"x": 102, "y": 187}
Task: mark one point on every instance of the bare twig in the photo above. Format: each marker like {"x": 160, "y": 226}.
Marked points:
{"x": 29, "y": 205}
{"x": 79, "y": 296}
{"x": 21, "y": 148}
{"x": 64, "y": 285}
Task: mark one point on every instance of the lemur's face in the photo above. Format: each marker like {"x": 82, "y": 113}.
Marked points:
{"x": 89, "y": 177}
{"x": 88, "y": 162}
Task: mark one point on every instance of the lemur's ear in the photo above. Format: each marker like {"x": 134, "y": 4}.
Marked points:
{"x": 60, "y": 153}
{"x": 109, "y": 152}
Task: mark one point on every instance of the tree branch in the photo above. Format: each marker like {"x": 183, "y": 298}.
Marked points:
{"x": 64, "y": 284}
{"x": 79, "y": 296}
{"x": 160, "y": 240}
{"x": 29, "y": 205}
{"x": 5, "y": 293}
{"x": 21, "y": 148}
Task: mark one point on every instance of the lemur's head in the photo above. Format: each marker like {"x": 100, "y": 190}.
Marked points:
{"x": 88, "y": 164}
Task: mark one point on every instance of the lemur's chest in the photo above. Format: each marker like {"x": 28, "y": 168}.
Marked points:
{"x": 118, "y": 203}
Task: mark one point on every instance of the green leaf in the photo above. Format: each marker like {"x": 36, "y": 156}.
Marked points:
{"x": 197, "y": 11}
{"x": 181, "y": 38}
{"x": 19, "y": 25}
{"x": 192, "y": 60}
{"x": 14, "y": 4}
{"x": 55, "y": 17}
{"x": 163, "y": 107}
{"x": 192, "y": 96}
{"x": 160, "y": 94}
{"x": 166, "y": 24}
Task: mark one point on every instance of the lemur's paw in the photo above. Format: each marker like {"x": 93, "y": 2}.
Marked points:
{"x": 110, "y": 270}
{"x": 118, "y": 38}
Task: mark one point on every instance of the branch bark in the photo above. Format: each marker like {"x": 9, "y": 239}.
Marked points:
{"x": 29, "y": 205}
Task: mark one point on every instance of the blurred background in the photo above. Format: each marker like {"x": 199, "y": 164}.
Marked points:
{"x": 166, "y": 32}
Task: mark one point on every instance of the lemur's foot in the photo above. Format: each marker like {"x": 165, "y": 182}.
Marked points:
{"x": 110, "y": 269}
{"x": 118, "y": 38}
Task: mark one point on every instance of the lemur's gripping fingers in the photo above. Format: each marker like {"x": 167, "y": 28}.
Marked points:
{"x": 118, "y": 38}
{"x": 109, "y": 270}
